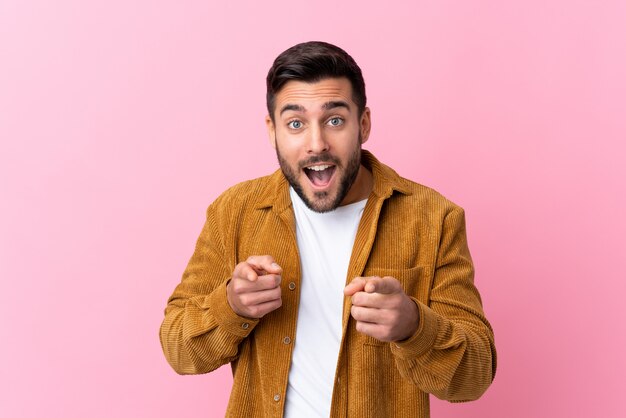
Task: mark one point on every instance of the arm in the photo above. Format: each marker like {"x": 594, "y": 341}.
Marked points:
{"x": 212, "y": 311}
{"x": 445, "y": 348}
{"x": 200, "y": 332}
{"x": 452, "y": 354}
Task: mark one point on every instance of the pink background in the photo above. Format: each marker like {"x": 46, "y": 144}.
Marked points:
{"x": 120, "y": 121}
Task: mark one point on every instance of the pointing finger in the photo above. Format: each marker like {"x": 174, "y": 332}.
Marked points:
{"x": 384, "y": 285}
{"x": 264, "y": 263}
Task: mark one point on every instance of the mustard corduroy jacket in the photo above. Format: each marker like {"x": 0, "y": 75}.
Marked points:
{"x": 407, "y": 231}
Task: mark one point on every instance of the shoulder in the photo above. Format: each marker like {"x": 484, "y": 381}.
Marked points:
{"x": 424, "y": 209}
{"x": 246, "y": 194}
{"x": 408, "y": 195}
{"x": 426, "y": 198}
{"x": 404, "y": 194}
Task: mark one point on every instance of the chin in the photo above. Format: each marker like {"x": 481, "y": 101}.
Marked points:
{"x": 318, "y": 200}
{"x": 322, "y": 202}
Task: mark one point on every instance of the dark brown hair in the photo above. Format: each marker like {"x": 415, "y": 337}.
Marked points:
{"x": 314, "y": 61}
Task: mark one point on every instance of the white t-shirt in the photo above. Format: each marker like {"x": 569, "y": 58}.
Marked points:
{"x": 325, "y": 242}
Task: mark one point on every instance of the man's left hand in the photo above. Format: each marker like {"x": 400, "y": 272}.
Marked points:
{"x": 381, "y": 308}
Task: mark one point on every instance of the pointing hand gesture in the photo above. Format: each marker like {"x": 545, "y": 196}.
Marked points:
{"x": 254, "y": 289}
{"x": 381, "y": 308}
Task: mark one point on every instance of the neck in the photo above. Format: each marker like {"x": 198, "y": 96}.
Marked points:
{"x": 361, "y": 188}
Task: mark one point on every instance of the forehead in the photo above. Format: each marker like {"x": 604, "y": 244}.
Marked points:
{"x": 314, "y": 95}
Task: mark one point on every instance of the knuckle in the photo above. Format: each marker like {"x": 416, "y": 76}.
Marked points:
{"x": 255, "y": 311}
{"x": 242, "y": 271}
{"x": 244, "y": 299}
{"x": 237, "y": 287}
{"x": 359, "y": 326}
{"x": 237, "y": 271}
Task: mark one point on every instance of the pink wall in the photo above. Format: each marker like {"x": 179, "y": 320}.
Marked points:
{"x": 120, "y": 121}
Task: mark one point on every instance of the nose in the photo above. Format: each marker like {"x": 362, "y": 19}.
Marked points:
{"x": 317, "y": 141}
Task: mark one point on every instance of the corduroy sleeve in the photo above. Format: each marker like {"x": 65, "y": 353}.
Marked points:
{"x": 200, "y": 331}
{"x": 452, "y": 354}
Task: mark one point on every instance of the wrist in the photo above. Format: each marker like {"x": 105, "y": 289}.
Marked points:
{"x": 413, "y": 322}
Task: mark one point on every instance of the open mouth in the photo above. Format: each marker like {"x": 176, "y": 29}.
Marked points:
{"x": 320, "y": 175}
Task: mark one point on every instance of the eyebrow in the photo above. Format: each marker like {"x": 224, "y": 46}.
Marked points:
{"x": 326, "y": 106}
{"x": 294, "y": 107}
{"x": 335, "y": 104}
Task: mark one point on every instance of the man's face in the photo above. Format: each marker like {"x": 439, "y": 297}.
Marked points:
{"x": 317, "y": 134}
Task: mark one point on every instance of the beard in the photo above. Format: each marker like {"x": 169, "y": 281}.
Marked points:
{"x": 324, "y": 201}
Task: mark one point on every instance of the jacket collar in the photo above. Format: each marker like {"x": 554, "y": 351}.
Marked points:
{"x": 386, "y": 181}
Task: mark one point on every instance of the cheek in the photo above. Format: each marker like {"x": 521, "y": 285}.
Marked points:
{"x": 288, "y": 152}
{"x": 347, "y": 141}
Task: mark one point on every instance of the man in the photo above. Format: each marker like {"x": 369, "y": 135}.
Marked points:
{"x": 334, "y": 287}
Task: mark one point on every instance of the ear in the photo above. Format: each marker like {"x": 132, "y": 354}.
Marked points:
{"x": 365, "y": 125}
{"x": 271, "y": 130}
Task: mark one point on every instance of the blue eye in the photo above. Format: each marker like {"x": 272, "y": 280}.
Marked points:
{"x": 335, "y": 121}
{"x": 295, "y": 124}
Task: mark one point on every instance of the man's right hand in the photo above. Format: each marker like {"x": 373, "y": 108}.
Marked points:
{"x": 254, "y": 289}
